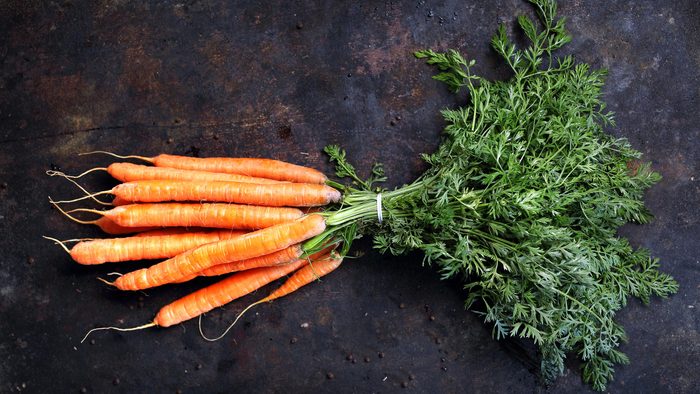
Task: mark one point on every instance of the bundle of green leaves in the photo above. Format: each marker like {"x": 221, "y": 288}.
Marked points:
{"x": 522, "y": 201}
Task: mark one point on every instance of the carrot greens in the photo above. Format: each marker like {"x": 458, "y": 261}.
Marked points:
{"x": 522, "y": 201}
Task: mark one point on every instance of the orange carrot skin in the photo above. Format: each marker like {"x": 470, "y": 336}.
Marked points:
{"x": 262, "y": 168}
{"x": 283, "y": 256}
{"x": 253, "y": 244}
{"x": 128, "y": 172}
{"x": 230, "y": 216}
{"x": 164, "y": 231}
{"x": 110, "y": 227}
{"x": 118, "y": 201}
{"x": 274, "y": 195}
{"x": 275, "y": 258}
{"x": 221, "y": 293}
{"x": 100, "y": 251}
{"x": 304, "y": 276}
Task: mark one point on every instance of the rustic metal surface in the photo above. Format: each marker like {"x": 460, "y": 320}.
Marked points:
{"x": 281, "y": 80}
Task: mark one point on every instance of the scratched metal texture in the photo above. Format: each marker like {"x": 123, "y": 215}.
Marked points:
{"x": 283, "y": 79}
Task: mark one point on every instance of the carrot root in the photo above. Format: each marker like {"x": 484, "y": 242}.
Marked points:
{"x": 148, "y": 159}
{"x": 69, "y": 179}
{"x": 88, "y": 195}
{"x": 59, "y": 173}
{"x": 67, "y": 214}
{"x": 58, "y": 242}
{"x": 148, "y": 325}
{"x": 223, "y": 334}
{"x": 105, "y": 281}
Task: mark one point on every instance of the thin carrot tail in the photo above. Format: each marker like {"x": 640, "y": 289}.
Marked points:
{"x": 87, "y": 193}
{"x": 59, "y": 173}
{"x": 151, "y": 324}
{"x": 67, "y": 214}
{"x": 231, "y": 325}
{"x": 148, "y": 159}
{"x": 105, "y": 281}
{"x": 61, "y": 243}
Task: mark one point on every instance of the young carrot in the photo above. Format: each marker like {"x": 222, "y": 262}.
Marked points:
{"x": 100, "y": 251}
{"x": 261, "y": 168}
{"x": 275, "y": 195}
{"x": 253, "y": 244}
{"x": 213, "y": 296}
{"x": 118, "y": 201}
{"x": 305, "y": 275}
{"x": 221, "y": 293}
{"x": 229, "y": 216}
{"x": 165, "y": 231}
{"x": 275, "y": 258}
{"x": 109, "y": 227}
{"x": 128, "y": 172}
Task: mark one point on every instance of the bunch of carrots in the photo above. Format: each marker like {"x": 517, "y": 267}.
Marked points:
{"x": 259, "y": 219}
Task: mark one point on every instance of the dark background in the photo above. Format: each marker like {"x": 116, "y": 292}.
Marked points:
{"x": 282, "y": 80}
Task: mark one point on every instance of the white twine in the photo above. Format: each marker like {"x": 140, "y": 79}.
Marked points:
{"x": 379, "y": 207}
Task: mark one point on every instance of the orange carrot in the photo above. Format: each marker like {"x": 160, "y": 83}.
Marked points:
{"x": 275, "y": 195}
{"x": 100, "y": 251}
{"x": 262, "y": 168}
{"x": 118, "y": 201}
{"x": 109, "y": 227}
{"x": 318, "y": 267}
{"x": 166, "y": 231}
{"x": 213, "y": 296}
{"x": 253, "y": 244}
{"x": 230, "y": 216}
{"x": 128, "y": 172}
{"x": 275, "y": 258}
{"x": 221, "y": 293}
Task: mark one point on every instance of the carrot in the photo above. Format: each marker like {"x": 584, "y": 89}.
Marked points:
{"x": 262, "y": 168}
{"x": 305, "y": 275}
{"x": 109, "y": 227}
{"x": 128, "y": 172}
{"x": 230, "y": 216}
{"x": 221, "y": 293}
{"x": 118, "y": 201}
{"x": 275, "y": 258}
{"x": 100, "y": 251}
{"x": 253, "y": 244}
{"x": 208, "y": 298}
{"x": 164, "y": 231}
{"x": 275, "y": 195}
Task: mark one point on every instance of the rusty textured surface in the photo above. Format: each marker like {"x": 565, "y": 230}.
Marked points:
{"x": 281, "y": 80}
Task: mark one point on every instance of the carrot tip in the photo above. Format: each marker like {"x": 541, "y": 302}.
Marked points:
{"x": 148, "y": 159}
{"x": 148, "y": 325}
{"x": 231, "y": 325}
{"x": 61, "y": 243}
{"x": 105, "y": 281}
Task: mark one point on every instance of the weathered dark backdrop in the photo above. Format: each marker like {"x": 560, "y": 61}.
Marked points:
{"x": 282, "y": 80}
